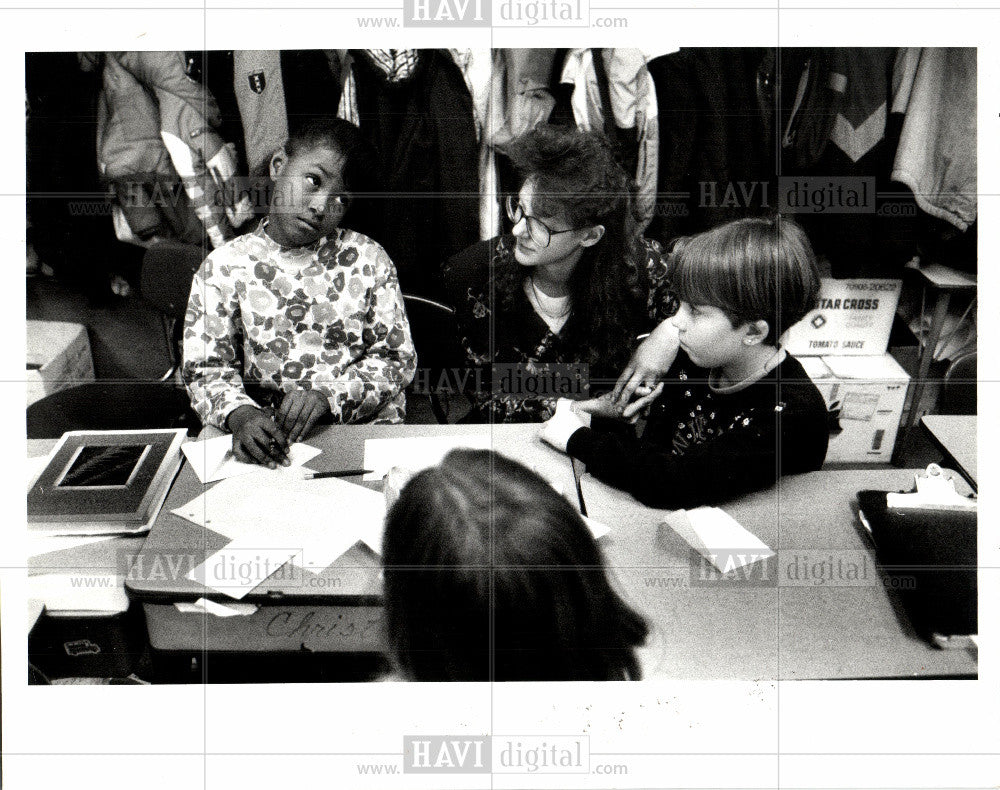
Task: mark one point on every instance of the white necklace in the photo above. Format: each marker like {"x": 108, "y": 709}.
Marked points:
{"x": 773, "y": 361}
{"x": 552, "y": 299}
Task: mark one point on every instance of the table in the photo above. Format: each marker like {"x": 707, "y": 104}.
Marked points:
{"x": 769, "y": 628}
{"x": 955, "y": 435}
{"x": 338, "y": 610}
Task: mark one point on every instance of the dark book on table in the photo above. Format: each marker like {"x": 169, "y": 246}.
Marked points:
{"x": 931, "y": 554}
{"x": 104, "y": 481}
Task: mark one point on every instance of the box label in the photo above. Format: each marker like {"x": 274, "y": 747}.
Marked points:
{"x": 851, "y": 317}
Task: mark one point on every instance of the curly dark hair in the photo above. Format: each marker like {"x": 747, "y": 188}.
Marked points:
{"x": 576, "y": 176}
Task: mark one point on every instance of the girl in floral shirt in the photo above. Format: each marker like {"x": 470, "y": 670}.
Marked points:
{"x": 301, "y": 319}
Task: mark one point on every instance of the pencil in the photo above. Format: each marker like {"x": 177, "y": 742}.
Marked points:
{"x": 341, "y": 473}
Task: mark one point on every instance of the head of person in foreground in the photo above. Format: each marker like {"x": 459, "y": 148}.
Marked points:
{"x": 490, "y": 574}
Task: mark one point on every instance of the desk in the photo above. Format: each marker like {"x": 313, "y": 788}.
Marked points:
{"x": 955, "y": 436}
{"x": 338, "y": 610}
{"x": 776, "y": 631}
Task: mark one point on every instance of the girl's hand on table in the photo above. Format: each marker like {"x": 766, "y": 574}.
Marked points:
{"x": 300, "y": 410}
{"x": 256, "y": 438}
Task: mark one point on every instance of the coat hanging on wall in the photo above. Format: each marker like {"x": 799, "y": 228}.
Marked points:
{"x": 416, "y": 109}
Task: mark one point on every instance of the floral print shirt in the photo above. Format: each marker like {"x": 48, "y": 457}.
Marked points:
{"x": 328, "y": 317}
{"x": 492, "y": 334}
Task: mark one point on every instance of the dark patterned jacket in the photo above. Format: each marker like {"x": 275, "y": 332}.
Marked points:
{"x": 702, "y": 447}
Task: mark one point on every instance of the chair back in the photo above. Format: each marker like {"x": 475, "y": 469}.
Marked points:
{"x": 168, "y": 267}
{"x": 958, "y": 391}
{"x": 434, "y": 331}
{"x": 435, "y": 338}
{"x": 111, "y": 406}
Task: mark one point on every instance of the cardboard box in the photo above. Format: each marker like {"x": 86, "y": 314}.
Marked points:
{"x": 852, "y": 317}
{"x": 58, "y": 357}
{"x": 864, "y": 398}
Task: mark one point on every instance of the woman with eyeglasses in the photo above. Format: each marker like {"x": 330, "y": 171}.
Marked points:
{"x": 301, "y": 320}
{"x": 574, "y": 282}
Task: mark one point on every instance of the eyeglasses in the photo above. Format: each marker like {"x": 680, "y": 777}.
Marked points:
{"x": 539, "y": 232}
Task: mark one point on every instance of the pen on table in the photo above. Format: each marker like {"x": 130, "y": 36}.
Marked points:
{"x": 341, "y": 473}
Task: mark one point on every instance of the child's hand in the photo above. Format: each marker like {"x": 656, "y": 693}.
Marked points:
{"x": 256, "y": 438}
{"x": 299, "y": 412}
{"x": 603, "y": 406}
{"x": 640, "y": 406}
{"x": 394, "y": 483}
{"x": 564, "y": 423}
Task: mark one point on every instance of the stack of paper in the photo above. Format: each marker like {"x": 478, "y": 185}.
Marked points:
{"x": 275, "y": 518}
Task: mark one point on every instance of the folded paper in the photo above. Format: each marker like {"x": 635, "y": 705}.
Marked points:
{"x": 213, "y": 459}
{"x": 718, "y": 537}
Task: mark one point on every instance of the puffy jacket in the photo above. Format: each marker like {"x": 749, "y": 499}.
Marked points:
{"x": 155, "y": 122}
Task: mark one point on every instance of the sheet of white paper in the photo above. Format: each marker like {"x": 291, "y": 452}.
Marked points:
{"x": 43, "y": 544}
{"x": 679, "y": 522}
{"x": 79, "y": 593}
{"x": 565, "y": 405}
{"x": 719, "y": 538}
{"x": 874, "y": 368}
{"x": 415, "y": 453}
{"x": 370, "y": 518}
{"x": 240, "y": 567}
{"x": 597, "y": 529}
{"x": 212, "y": 459}
{"x": 318, "y": 519}
{"x": 205, "y": 606}
{"x": 35, "y": 609}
